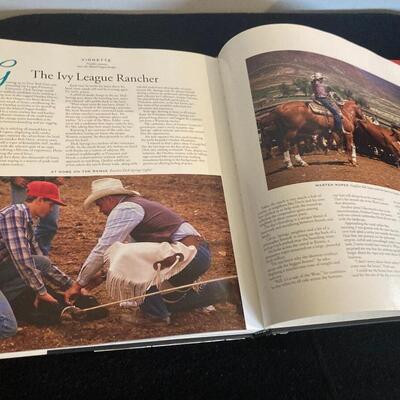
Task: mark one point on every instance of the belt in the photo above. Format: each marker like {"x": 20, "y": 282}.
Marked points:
{"x": 192, "y": 240}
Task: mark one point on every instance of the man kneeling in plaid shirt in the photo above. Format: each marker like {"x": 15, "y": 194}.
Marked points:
{"x": 22, "y": 264}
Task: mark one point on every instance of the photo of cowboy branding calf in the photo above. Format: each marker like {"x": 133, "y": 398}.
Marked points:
{"x": 321, "y": 119}
{"x": 119, "y": 240}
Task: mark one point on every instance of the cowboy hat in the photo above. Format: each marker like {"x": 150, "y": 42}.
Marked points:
{"x": 106, "y": 187}
{"x": 317, "y": 76}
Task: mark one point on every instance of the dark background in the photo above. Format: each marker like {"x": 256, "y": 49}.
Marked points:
{"x": 360, "y": 362}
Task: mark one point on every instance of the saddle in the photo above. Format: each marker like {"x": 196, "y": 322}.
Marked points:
{"x": 317, "y": 108}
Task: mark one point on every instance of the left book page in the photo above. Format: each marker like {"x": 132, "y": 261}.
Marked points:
{"x": 138, "y": 134}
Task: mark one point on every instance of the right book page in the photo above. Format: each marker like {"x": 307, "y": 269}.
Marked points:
{"x": 321, "y": 188}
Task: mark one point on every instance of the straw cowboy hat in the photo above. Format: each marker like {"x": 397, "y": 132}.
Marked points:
{"x": 317, "y": 76}
{"x": 106, "y": 187}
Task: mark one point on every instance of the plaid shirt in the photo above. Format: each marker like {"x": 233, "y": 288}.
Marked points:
{"x": 17, "y": 242}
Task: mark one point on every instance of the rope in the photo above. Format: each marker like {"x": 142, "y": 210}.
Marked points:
{"x": 148, "y": 294}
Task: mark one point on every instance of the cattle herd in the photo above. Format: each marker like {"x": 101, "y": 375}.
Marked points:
{"x": 378, "y": 141}
{"x": 283, "y": 128}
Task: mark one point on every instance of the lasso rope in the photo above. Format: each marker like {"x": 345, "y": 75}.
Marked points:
{"x": 173, "y": 289}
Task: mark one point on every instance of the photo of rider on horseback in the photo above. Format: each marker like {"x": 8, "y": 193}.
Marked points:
{"x": 321, "y": 94}
{"x": 316, "y": 115}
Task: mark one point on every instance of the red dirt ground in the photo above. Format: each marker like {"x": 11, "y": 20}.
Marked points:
{"x": 199, "y": 199}
{"x": 333, "y": 166}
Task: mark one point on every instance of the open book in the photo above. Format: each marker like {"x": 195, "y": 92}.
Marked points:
{"x": 301, "y": 210}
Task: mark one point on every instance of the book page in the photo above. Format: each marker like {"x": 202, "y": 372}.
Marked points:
{"x": 322, "y": 200}
{"x": 142, "y": 127}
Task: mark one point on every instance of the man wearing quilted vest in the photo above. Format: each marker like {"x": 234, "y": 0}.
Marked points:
{"x": 131, "y": 215}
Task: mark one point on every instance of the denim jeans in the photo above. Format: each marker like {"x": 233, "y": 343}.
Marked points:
{"x": 11, "y": 286}
{"x": 47, "y": 226}
{"x": 46, "y": 229}
{"x": 336, "y": 116}
{"x": 186, "y": 299}
{"x": 11, "y": 283}
{"x": 8, "y": 323}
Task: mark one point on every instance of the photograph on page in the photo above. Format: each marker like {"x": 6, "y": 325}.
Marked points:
{"x": 158, "y": 247}
{"x": 322, "y": 119}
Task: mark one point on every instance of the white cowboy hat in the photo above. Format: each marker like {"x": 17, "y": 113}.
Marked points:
{"x": 317, "y": 76}
{"x": 106, "y": 187}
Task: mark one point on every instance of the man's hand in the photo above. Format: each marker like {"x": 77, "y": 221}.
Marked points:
{"x": 44, "y": 297}
{"x": 19, "y": 181}
{"x": 97, "y": 280}
{"x": 73, "y": 291}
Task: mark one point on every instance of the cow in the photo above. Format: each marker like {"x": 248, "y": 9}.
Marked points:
{"x": 378, "y": 140}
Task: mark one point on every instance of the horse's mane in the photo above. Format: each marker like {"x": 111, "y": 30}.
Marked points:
{"x": 347, "y": 103}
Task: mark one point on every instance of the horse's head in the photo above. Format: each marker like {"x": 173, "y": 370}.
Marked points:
{"x": 353, "y": 111}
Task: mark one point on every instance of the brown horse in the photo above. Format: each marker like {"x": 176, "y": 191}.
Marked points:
{"x": 296, "y": 121}
{"x": 267, "y": 131}
{"x": 368, "y": 135}
{"x": 396, "y": 134}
